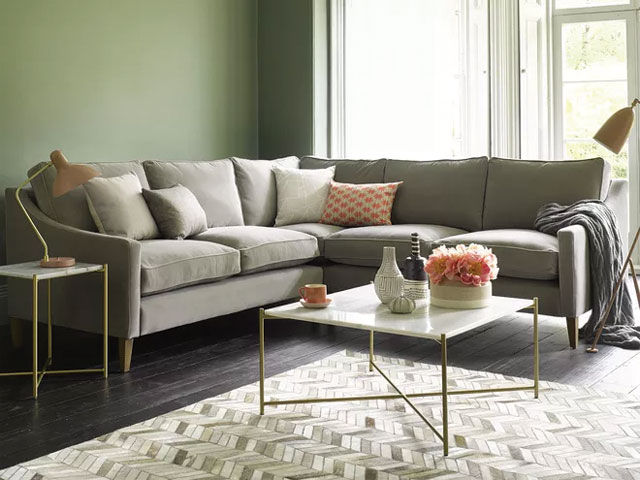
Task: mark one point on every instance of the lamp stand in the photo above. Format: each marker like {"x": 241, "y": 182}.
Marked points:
{"x": 58, "y": 262}
{"x": 627, "y": 263}
{"x": 46, "y": 262}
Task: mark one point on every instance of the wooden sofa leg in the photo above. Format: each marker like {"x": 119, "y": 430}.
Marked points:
{"x": 125, "y": 349}
{"x": 572, "y": 330}
{"x": 17, "y": 332}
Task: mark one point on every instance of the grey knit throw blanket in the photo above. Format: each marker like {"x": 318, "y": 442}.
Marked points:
{"x": 607, "y": 258}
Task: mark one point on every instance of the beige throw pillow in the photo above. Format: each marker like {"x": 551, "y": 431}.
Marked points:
{"x": 176, "y": 211}
{"x": 301, "y": 194}
{"x": 118, "y": 207}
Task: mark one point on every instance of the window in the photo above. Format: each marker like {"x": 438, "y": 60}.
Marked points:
{"x": 412, "y": 79}
{"x": 595, "y": 74}
{"x": 594, "y": 84}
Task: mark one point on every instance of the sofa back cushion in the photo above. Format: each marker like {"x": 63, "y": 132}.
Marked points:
{"x": 257, "y": 188}
{"x": 71, "y": 208}
{"x": 213, "y": 183}
{"x": 439, "y": 192}
{"x": 349, "y": 171}
{"x": 516, "y": 189}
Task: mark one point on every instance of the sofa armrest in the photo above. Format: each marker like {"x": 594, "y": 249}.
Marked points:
{"x": 574, "y": 270}
{"x": 76, "y": 301}
{"x": 618, "y": 200}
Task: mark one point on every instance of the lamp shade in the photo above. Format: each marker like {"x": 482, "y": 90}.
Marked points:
{"x": 615, "y": 131}
{"x": 69, "y": 176}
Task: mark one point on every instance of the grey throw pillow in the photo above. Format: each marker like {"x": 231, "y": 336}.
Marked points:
{"x": 118, "y": 207}
{"x": 176, "y": 211}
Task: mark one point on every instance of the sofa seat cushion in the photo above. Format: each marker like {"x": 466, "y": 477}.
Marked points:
{"x": 170, "y": 264}
{"x": 318, "y": 230}
{"x": 521, "y": 253}
{"x": 363, "y": 245}
{"x": 264, "y": 248}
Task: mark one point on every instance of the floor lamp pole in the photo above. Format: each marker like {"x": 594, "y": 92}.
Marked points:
{"x": 613, "y": 134}
{"x": 627, "y": 263}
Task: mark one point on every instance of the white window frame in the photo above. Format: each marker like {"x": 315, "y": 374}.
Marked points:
{"x": 336, "y": 80}
{"x": 536, "y": 12}
{"x": 632, "y": 5}
{"x": 631, "y": 15}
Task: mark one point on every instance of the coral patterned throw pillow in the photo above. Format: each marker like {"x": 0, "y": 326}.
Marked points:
{"x": 359, "y": 205}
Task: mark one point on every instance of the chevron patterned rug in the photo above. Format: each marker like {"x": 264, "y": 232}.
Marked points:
{"x": 569, "y": 433}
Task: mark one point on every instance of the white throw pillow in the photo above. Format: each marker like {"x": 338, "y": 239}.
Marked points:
{"x": 118, "y": 207}
{"x": 301, "y": 194}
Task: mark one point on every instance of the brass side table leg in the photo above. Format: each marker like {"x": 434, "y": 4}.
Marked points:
{"x": 371, "y": 351}
{"x": 105, "y": 320}
{"x": 261, "y": 335}
{"x": 536, "y": 350}
{"x": 34, "y": 338}
{"x": 445, "y": 400}
{"x": 49, "y": 326}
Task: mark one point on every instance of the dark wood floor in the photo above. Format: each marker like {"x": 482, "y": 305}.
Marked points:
{"x": 179, "y": 367}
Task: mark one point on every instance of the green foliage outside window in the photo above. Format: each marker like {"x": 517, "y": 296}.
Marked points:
{"x": 595, "y": 86}
{"x": 596, "y": 43}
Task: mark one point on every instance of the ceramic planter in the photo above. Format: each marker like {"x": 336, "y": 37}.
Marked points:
{"x": 452, "y": 294}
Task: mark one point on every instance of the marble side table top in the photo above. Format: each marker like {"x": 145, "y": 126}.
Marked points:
{"x": 28, "y": 269}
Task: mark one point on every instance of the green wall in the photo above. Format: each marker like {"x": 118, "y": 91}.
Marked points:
{"x": 125, "y": 79}
{"x": 285, "y": 72}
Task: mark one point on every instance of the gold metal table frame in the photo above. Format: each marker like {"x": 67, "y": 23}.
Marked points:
{"x": 445, "y": 392}
{"x": 38, "y": 374}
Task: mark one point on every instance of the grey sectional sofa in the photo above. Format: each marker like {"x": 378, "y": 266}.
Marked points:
{"x": 242, "y": 261}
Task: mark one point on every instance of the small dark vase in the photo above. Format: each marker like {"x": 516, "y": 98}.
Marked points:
{"x": 414, "y": 264}
{"x": 416, "y": 283}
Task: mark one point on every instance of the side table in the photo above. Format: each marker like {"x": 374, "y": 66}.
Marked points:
{"x": 34, "y": 272}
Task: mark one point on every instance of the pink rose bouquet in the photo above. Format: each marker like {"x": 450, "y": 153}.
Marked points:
{"x": 471, "y": 265}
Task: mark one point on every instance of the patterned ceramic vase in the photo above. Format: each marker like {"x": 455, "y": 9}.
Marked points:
{"x": 416, "y": 284}
{"x": 389, "y": 281}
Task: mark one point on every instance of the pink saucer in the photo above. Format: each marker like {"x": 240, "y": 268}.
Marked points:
{"x": 315, "y": 305}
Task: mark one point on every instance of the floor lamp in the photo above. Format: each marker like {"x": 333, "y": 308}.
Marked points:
{"x": 613, "y": 134}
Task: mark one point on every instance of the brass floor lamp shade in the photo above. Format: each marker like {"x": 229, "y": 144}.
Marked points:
{"x": 68, "y": 177}
{"x": 613, "y": 134}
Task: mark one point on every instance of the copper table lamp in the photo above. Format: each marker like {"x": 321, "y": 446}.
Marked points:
{"x": 613, "y": 134}
{"x": 68, "y": 177}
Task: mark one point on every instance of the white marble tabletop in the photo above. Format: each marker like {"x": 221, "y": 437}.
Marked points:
{"x": 360, "y": 308}
{"x": 29, "y": 269}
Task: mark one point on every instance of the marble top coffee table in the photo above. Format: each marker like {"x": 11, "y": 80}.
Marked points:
{"x": 360, "y": 308}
